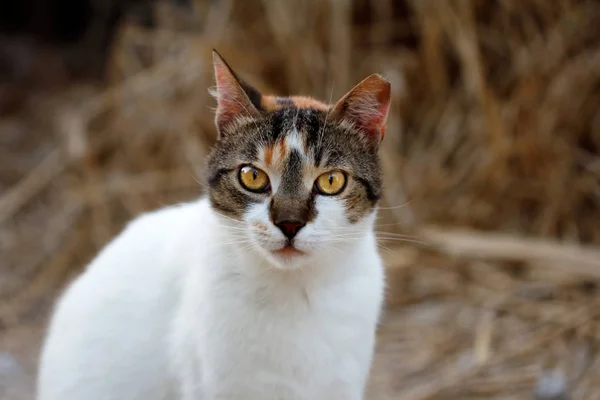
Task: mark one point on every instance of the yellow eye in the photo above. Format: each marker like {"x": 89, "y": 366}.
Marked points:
{"x": 331, "y": 183}
{"x": 254, "y": 179}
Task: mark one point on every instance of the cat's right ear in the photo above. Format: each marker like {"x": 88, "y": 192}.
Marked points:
{"x": 366, "y": 106}
{"x": 235, "y": 98}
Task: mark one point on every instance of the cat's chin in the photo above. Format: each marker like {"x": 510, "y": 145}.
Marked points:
{"x": 287, "y": 257}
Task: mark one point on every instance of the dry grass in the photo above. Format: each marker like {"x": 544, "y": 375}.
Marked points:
{"x": 491, "y": 159}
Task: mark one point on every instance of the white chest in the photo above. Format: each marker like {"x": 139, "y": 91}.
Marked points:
{"x": 282, "y": 339}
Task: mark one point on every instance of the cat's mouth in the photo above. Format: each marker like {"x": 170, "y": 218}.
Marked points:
{"x": 288, "y": 251}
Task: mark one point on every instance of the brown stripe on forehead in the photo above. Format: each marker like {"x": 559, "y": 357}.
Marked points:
{"x": 293, "y": 201}
{"x": 305, "y": 123}
{"x": 291, "y": 181}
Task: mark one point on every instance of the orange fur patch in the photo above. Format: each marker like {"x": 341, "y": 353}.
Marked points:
{"x": 282, "y": 149}
{"x": 268, "y": 155}
{"x": 272, "y": 103}
{"x": 268, "y": 103}
{"x": 308, "y": 102}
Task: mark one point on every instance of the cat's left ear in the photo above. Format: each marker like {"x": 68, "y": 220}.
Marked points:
{"x": 366, "y": 106}
{"x": 235, "y": 98}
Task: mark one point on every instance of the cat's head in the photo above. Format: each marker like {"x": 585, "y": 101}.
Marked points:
{"x": 296, "y": 179}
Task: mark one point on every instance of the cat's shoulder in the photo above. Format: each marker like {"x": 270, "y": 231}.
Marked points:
{"x": 156, "y": 232}
{"x": 171, "y": 217}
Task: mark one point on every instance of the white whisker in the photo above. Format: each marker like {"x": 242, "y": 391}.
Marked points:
{"x": 403, "y": 240}
{"x": 395, "y": 207}
{"x": 322, "y": 133}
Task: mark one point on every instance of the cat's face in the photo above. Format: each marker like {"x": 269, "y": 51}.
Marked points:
{"x": 295, "y": 179}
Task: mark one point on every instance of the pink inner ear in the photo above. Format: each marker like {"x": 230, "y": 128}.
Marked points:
{"x": 232, "y": 100}
{"x": 229, "y": 95}
{"x": 367, "y": 105}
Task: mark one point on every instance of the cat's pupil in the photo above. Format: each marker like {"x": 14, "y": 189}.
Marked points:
{"x": 330, "y": 179}
{"x": 254, "y": 174}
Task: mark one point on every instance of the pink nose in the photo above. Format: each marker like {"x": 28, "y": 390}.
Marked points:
{"x": 290, "y": 228}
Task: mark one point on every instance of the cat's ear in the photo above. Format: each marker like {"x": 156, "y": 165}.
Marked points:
{"x": 366, "y": 106}
{"x": 235, "y": 98}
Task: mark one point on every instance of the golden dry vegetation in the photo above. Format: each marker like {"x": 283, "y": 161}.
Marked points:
{"x": 492, "y": 168}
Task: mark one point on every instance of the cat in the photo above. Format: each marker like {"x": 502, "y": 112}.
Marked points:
{"x": 269, "y": 287}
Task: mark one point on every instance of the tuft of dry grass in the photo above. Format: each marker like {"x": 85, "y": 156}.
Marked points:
{"x": 491, "y": 219}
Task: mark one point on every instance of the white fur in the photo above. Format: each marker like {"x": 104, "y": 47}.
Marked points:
{"x": 294, "y": 141}
{"x": 188, "y": 304}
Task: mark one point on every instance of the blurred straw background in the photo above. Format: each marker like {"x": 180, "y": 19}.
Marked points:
{"x": 492, "y": 163}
